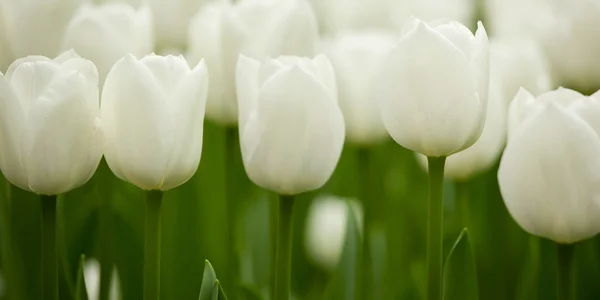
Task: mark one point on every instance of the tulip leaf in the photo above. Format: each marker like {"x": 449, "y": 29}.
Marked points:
{"x": 344, "y": 282}
{"x": 250, "y": 293}
{"x": 211, "y": 288}
{"x": 80, "y": 289}
{"x": 460, "y": 276}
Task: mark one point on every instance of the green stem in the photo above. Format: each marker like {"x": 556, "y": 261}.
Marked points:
{"x": 564, "y": 255}
{"x": 49, "y": 256}
{"x": 364, "y": 167}
{"x": 461, "y": 204}
{"x": 152, "y": 246}
{"x": 231, "y": 150}
{"x": 105, "y": 229}
{"x": 435, "y": 228}
{"x": 283, "y": 258}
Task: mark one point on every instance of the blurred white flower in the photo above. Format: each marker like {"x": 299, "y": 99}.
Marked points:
{"x": 6, "y": 55}
{"x": 105, "y": 33}
{"x": 91, "y": 275}
{"x": 37, "y": 27}
{"x": 430, "y": 10}
{"x": 291, "y": 127}
{"x": 549, "y": 175}
{"x": 518, "y": 18}
{"x": 171, "y": 20}
{"x": 356, "y": 58}
{"x": 326, "y": 225}
{"x": 433, "y": 87}
{"x": 153, "y": 114}
{"x": 258, "y": 29}
{"x": 50, "y": 139}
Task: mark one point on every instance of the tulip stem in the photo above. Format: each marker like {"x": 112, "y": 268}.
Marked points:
{"x": 564, "y": 255}
{"x": 49, "y": 256}
{"x": 232, "y": 149}
{"x": 368, "y": 202}
{"x": 435, "y": 228}
{"x": 283, "y": 258}
{"x": 152, "y": 246}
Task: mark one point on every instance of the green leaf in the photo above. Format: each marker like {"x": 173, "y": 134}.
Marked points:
{"x": 250, "y": 293}
{"x": 80, "y": 289}
{"x": 218, "y": 293}
{"x": 344, "y": 282}
{"x": 460, "y": 276}
{"x": 211, "y": 288}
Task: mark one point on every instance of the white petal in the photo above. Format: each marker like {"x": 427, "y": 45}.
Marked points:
{"x": 428, "y": 95}
{"x": 91, "y": 276}
{"x": 61, "y": 149}
{"x": 12, "y": 121}
{"x": 522, "y": 107}
{"x": 137, "y": 124}
{"x": 326, "y": 74}
{"x": 187, "y": 105}
{"x": 247, "y": 87}
{"x": 549, "y": 176}
{"x": 167, "y": 71}
{"x": 30, "y": 79}
{"x": 25, "y": 60}
{"x": 293, "y": 143}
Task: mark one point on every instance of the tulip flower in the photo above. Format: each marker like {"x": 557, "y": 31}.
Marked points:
{"x": 117, "y": 29}
{"x": 50, "y": 128}
{"x": 37, "y": 27}
{"x": 432, "y": 91}
{"x": 91, "y": 275}
{"x": 171, "y": 21}
{"x": 326, "y": 225}
{"x": 549, "y": 176}
{"x": 153, "y": 113}
{"x": 50, "y": 136}
{"x": 291, "y": 136}
{"x": 356, "y": 58}
{"x": 258, "y": 29}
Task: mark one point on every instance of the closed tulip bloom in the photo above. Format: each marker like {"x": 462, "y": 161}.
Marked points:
{"x": 117, "y": 29}
{"x": 356, "y": 58}
{"x": 549, "y": 174}
{"x": 37, "y": 27}
{"x": 258, "y": 29}
{"x": 153, "y": 112}
{"x": 49, "y": 123}
{"x": 433, "y": 87}
{"x": 291, "y": 127}
{"x": 172, "y": 19}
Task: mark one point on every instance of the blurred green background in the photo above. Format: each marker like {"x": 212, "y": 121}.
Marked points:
{"x": 105, "y": 218}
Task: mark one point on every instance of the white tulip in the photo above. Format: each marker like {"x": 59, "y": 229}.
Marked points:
{"x": 291, "y": 127}
{"x": 326, "y": 224}
{"x": 517, "y": 18}
{"x": 37, "y": 27}
{"x": 549, "y": 174}
{"x": 153, "y": 112}
{"x": 106, "y": 33}
{"x": 516, "y": 63}
{"x": 172, "y": 19}
{"x": 433, "y": 88}
{"x": 91, "y": 276}
{"x": 49, "y": 123}
{"x": 6, "y": 56}
{"x": 356, "y": 58}
{"x": 220, "y": 32}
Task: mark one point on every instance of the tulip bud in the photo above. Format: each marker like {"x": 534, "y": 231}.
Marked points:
{"x": 91, "y": 276}
{"x": 117, "y": 29}
{"x": 291, "y": 127}
{"x": 356, "y": 57}
{"x": 433, "y": 88}
{"x": 220, "y": 32}
{"x": 49, "y": 127}
{"x": 37, "y": 27}
{"x": 548, "y": 175}
{"x": 153, "y": 112}
{"x": 172, "y": 19}
{"x": 326, "y": 229}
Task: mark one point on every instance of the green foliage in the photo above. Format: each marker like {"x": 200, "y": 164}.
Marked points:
{"x": 460, "y": 275}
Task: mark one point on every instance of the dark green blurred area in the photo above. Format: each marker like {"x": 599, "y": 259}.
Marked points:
{"x": 105, "y": 218}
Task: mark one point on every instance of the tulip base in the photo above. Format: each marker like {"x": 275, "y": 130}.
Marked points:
{"x": 283, "y": 256}
{"x": 564, "y": 254}
{"x": 49, "y": 256}
{"x": 152, "y": 246}
{"x": 435, "y": 228}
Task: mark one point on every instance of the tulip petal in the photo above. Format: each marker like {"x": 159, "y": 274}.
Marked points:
{"x": 428, "y": 95}
{"x": 188, "y": 105}
{"x": 247, "y": 75}
{"x": 293, "y": 143}
{"x": 137, "y": 124}
{"x": 61, "y": 147}
{"x": 29, "y": 80}
{"x": 12, "y": 121}
{"x": 549, "y": 176}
